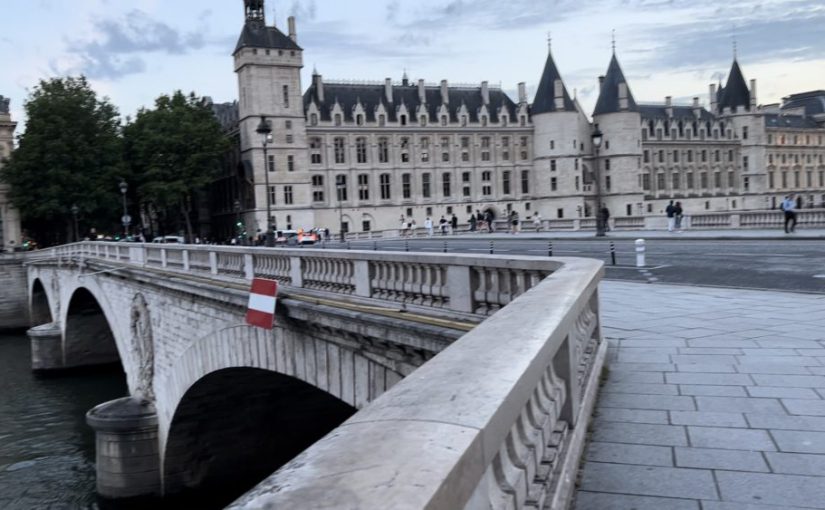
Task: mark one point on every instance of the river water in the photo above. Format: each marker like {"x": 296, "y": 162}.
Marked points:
{"x": 46, "y": 449}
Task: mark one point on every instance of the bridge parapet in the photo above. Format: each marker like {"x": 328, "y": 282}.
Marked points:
{"x": 453, "y": 282}
{"x": 496, "y": 420}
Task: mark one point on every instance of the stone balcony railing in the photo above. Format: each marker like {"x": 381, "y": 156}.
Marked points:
{"x": 496, "y": 420}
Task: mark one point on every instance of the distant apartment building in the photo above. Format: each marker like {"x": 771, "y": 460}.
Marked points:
{"x": 367, "y": 154}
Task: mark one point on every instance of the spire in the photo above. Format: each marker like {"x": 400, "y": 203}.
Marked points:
{"x": 615, "y": 95}
{"x": 613, "y": 40}
{"x": 736, "y": 91}
{"x": 549, "y": 42}
{"x": 551, "y": 97}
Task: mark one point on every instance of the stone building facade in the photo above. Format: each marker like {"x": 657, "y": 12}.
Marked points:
{"x": 10, "y": 233}
{"x": 365, "y": 155}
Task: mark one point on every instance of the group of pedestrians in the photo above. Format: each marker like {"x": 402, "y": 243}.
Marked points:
{"x": 674, "y": 216}
{"x": 408, "y": 228}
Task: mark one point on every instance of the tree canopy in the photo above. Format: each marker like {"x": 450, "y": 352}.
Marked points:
{"x": 70, "y": 154}
{"x": 173, "y": 151}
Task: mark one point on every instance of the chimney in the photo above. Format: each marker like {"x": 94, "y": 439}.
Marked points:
{"x": 669, "y": 106}
{"x": 753, "y": 93}
{"x": 558, "y": 94}
{"x": 292, "y": 35}
{"x": 522, "y": 92}
{"x": 623, "y": 96}
{"x": 697, "y": 110}
{"x": 713, "y": 97}
{"x": 445, "y": 92}
{"x": 485, "y": 93}
{"x": 696, "y": 102}
{"x": 422, "y": 92}
{"x": 319, "y": 87}
{"x": 388, "y": 89}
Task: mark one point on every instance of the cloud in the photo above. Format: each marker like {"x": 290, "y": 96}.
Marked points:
{"x": 115, "y": 51}
{"x": 304, "y": 10}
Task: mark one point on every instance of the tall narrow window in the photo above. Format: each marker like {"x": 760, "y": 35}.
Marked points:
{"x": 385, "y": 186}
{"x": 383, "y": 150}
{"x": 272, "y": 195}
{"x": 361, "y": 149}
{"x": 406, "y": 186}
{"x": 290, "y": 163}
{"x": 525, "y": 181}
{"x": 363, "y": 187}
{"x": 445, "y": 185}
{"x": 288, "y": 195}
{"x": 425, "y": 185}
{"x": 270, "y": 162}
{"x": 340, "y": 150}
{"x": 466, "y": 179}
{"x": 286, "y": 96}
{"x": 317, "y": 188}
{"x": 341, "y": 187}
{"x": 315, "y": 151}
{"x": 505, "y": 183}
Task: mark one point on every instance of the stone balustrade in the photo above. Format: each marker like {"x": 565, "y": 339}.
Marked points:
{"x": 454, "y": 282}
{"x": 497, "y": 420}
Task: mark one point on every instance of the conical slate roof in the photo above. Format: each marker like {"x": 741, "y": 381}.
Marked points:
{"x": 736, "y": 91}
{"x": 256, "y": 34}
{"x": 545, "y": 100}
{"x": 609, "y": 94}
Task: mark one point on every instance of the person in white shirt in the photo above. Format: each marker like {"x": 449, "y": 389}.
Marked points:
{"x": 789, "y": 206}
{"x": 428, "y": 225}
{"x": 537, "y": 221}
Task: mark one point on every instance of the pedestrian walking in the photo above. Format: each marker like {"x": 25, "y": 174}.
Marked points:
{"x": 488, "y": 219}
{"x": 403, "y": 227}
{"x": 442, "y": 224}
{"x": 789, "y": 208}
{"x": 454, "y": 224}
{"x": 670, "y": 211}
{"x": 473, "y": 223}
{"x": 605, "y": 217}
{"x": 513, "y": 222}
{"x": 537, "y": 221}
{"x": 678, "y": 215}
{"x": 428, "y": 226}
{"x": 413, "y": 226}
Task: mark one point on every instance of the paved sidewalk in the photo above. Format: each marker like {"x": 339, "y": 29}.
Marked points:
{"x": 744, "y": 234}
{"x": 715, "y": 400}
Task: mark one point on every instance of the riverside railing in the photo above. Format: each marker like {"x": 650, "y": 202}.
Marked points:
{"x": 454, "y": 282}
{"x": 495, "y": 421}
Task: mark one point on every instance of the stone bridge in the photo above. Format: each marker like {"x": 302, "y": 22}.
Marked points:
{"x": 496, "y": 420}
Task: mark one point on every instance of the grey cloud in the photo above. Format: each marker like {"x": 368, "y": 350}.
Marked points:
{"x": 327, "y": 39}
{"x": 304, "y": 10}
{"x": 114, "y": 54}
{"x": 393, "y": 8}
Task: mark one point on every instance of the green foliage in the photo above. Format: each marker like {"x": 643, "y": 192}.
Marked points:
{"x": 69, "y": 154}
{"x": 173, "y": 151}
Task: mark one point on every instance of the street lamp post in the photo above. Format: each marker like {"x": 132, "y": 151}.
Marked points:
{"x": 265, "y": 130}
{"x": 126, "y": 219}
{"x": 341, "y": 187}
{"x": 238, "y": 230}
{"x": 597, "y": 143}
{"x": 75, "y": 210}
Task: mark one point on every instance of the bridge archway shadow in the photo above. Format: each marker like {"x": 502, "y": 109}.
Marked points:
{"x": 88, "y": 338}
{"x": 236, "y": 426}
{"x": 39, "y": 310}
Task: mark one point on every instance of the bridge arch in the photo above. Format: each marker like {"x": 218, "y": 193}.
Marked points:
{"x": 88, "y": 335}
{"x": 40, "y": 311}
{"x": 236, "y": 426}
{"x": 285, "y": 356}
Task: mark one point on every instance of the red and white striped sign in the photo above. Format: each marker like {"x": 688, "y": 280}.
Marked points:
{"x": 261, "y": 309}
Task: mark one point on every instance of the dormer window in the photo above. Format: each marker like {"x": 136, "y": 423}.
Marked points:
{"x": 504, "y": 120}
{"x": 403, "y": 120}
{"x": 313, "y": 119}
{"x": 443, "y": 120}
{"x": 484, "y": 120}
{"x": 381, "y": 120}
{"x": 423, "y": 120}
{"x": 463, "y": 120}
{"x": 359, "y": 120}
{"x": 522, "y": 120}
{"x": 337, "y": 119}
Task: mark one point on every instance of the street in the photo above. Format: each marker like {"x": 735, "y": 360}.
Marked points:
{"x": 780, "y": 264}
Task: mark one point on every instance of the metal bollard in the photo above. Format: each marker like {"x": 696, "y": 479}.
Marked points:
{"x": 640, "y": 253}
{"x": 445, "y": 246}
{"x": 491, "y": 247}
{"x": 613, "y": 252}
{"x": 406, "y": 246}
{"x": 549, "y": 248}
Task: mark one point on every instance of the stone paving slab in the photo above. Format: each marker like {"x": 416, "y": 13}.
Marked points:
{"x": 715, "y": 400}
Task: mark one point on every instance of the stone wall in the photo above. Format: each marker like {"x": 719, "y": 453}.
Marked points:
{"x": 14, "y": 309}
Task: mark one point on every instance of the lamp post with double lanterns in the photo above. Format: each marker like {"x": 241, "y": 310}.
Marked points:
{"x": 126, "y": 219}
{"x": 75, "y": 209}
{"x": 341, "y": 188}
{"x": 265, "y": 130}
{"x": 597, "y": 143}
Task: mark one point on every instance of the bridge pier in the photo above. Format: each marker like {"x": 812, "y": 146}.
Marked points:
{"x": 47, "y": 346}
{"x": 126, "y": 445}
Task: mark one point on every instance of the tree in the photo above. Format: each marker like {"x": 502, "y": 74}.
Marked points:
{"x": 174, "y": 151}
{"x": 70, "y": 154}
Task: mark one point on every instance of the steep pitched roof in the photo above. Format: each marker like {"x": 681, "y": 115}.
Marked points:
{"x": 680, "y": 113}
{"x": 813, "y": 102}
{"x": 256, "y": 34}
{"x": 609, "y": 94}
{"x": 545, "y": 100}
{"x": 371, "y": 96}
{"x": 736, "y": 91}
{"x": 789, "y": 121}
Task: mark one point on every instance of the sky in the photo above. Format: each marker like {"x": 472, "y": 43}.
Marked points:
{"x": 132, "y": 51}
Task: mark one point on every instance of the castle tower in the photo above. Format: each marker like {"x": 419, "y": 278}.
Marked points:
{"x": 10, "y": 232}
{"x": 268, "y": 64}
{"x": 737, "y": 108}
{"x": 619, "y": 163}
{"x": 561, "y": 131}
